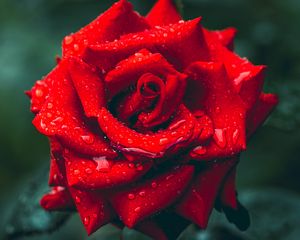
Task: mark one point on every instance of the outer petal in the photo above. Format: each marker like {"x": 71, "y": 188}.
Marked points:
{"x": 62, "y": 116}
{"x": 164, "y": 12}
{"x": 206, "y": 90}
{"x": 228, "y": 194}
{"x": 120, "y": 19}
{"x": 256, "y": 116}
{"x": 225, "y": 37}
{"x": 198, "y": 202}
{"x": 89, "y": 86}
{"x": 92, "y": 208}
{"x": 164, "y": 226}
{"x": 57, "y": 173}
{"x": 58, "y": 199}
{"x": 247, "y": 79}
{"x": 99, "y": 173}
{"x": 181, "y": 44}
{"x": 138, "y": 202}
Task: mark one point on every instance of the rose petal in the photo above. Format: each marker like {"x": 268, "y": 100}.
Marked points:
{"x": 138, "y": 202}
{"x": 57, "y": 164}
{"x": 198, "y": 202}
{"x": 87, "y": 83}
{"x": 164, "y": 12}
{"x": 258, "y": 114}
{"x": 58, "y": 199}
{"x": 128, "y": 71}
{"x": 99, "y": 173}
{"x": 62, "y": 116}
{"x": 206, "y": 88}
{"x": 120, "y": 19}
{"x": 150, "y": 145}
{"x": 142, "y": 98}
{"x": 164, "y": 226}
{"x": 228, "y": 194}
{"x": 167, "y": 103}
{"x": 247, "y": 79}
{"x": 181, "y": 44}
{"x": 93, "y": 209}
{"x": 225, "y": 37}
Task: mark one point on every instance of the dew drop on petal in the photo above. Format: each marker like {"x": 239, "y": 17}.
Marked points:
{"x": 102, "y": 164}
{"x": 154, "y": 185}
{"x": 137, "y": 209}
{"x": 142, "y": 193}
{"x": 235, "y": 136}
{"x": 39, "y": 92}
{"x": 163, "y": 141}
{"x": 220, "y": 138}
{"x": 86, "y": 220}
{"x": 88, "y": 139}
{"x": 88, "y": 170}
{"x": 68, "y": 40}
{"x": 77, "y": 199}
{"x": 200, "y": 150}
{"x": 131, "y": 196}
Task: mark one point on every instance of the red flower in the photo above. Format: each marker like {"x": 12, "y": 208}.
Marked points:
{"x": 146, "y": 118}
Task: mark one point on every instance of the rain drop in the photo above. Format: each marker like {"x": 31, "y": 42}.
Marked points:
{"x": 68, "y": 40}
{"x": 142, "y": 193}
{"x": 131, "y": 196}
{"x": 200, "y": 150}
{"x": 154, "y": 185}
{"x": 88, "y": 170}
{"x": 87, "y": 139}
{"x": 220, "y": 138}
{"x": 86, "y": 220}
{"x": 235, "y": 136}
{"x": 137, "y": 209}
{"x": 163, "y": 141}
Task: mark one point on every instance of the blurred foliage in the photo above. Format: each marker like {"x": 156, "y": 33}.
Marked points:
{"x": 30, "y": 35}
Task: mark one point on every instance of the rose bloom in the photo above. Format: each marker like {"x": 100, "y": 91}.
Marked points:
{"x": 146, "y": 118}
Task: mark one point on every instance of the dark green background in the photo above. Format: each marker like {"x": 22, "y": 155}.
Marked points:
{"x": 268, "y": 33}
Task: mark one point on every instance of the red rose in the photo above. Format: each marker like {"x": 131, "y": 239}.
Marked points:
{"x": 146, "y": 118}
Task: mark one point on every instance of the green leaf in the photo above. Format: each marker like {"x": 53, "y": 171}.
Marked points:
{"x": 28, "y": 217}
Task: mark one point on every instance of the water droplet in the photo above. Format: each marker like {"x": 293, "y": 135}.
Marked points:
{"x": 129, "y": 141}
{"x": 130, "y": 165}
{"x": 39, "y": 92}
{"x": 169, "y": 177}
{"x": 200, "y": 150}
{"x": 139, "y": 167}
{"x": 142, "y": 193}
{"x": 76, "y": 171}
{"x": 102, "y": 164}
{"x": 50, "y": 105}
{"x": 131, "y": 196}
{"x": 218, "y": 109}
{"x": 68, "y": 40}
{"x": 163, "y": 141}
{"x": 235, "y": 136}
{"x": 220, "y": 138}
{"x": 177, "y": 124}
{"x": 86, "y": 220}
{"x": 76, "y": 47}
{"x": 137, "y": 209}
{"x": 77, "y": 199}
{"x": 89, "y": 139}
{"x": 88, "y": 170}
{"x": 154, "y": 185}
